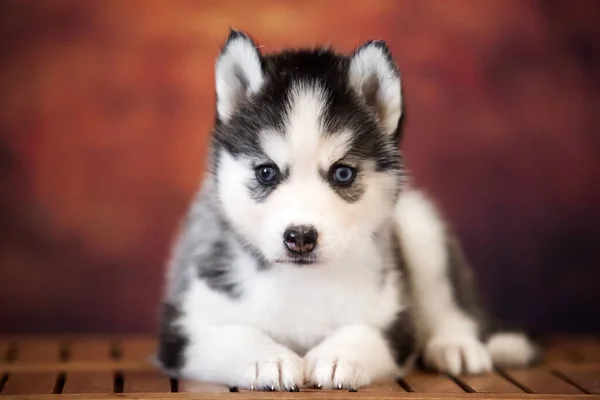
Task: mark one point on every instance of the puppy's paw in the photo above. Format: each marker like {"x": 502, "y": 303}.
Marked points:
{"x": 276, "y": 372}
{"x": 336, "y": 371}
{"x": 456, "y": 355}
{"x": 351, "y": 358}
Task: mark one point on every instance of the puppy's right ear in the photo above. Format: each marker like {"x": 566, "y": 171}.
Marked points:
{"x": 238, "y": 73}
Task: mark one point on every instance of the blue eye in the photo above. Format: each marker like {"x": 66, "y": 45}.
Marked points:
{"x": 343, "y": 174}
{"x": 267, "y": 174}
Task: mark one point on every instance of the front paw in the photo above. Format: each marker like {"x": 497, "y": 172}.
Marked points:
{"x": 457, "y": 355}
{"x": 351, "y": 358}
{"x": 331, "y": 372}
{"x": 277, "y": 372}
{"x": 328, "y": 367}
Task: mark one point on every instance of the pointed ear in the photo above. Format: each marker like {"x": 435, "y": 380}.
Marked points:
{"x": 238, "y": 73}
{"x": 375, "y": 77}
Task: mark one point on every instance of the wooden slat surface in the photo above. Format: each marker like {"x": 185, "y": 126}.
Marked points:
{"x": 89, "y": 382}
{"x": 422, "y": 382}
{"x": 30, "y": 383}
{"x": 541, "y": 380}
{"x": 98, "y": 366}
{"x": 137, "y": 350}
{"x": 37, "y": 351}
{"x": 586, "y": 377}
{"x": 4, "y": 350}
{"x": 187, "y": 386}
{"x": 587, "y": 349}
{"x": 489, "y": 383}
{"x": 146, "y": 382}
{"x": 96, "y": 350}
{"x": 339, "y": 395}
{"x": 389, "y": 386}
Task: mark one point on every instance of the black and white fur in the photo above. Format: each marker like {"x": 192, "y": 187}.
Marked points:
{"x": 387, "y": 281}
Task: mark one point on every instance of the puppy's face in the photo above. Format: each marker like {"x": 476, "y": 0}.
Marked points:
{"x": 307, "y": 163}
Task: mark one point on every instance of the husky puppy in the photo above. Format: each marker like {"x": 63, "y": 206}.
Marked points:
{"x": 306, "y": 257}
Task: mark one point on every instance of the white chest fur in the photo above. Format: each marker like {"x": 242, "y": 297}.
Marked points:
{"x": 299, "y": 306}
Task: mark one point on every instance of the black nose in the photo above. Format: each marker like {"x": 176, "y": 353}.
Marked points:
{"x": 300, "y": 238}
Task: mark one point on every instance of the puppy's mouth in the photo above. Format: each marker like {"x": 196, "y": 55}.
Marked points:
{"x": 297, "y": 260}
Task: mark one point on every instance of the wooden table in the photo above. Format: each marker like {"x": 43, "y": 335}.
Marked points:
{"x": 118, "y": 368}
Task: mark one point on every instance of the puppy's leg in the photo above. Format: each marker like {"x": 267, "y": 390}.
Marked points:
{"x": 351, "y": 358}
{"x": 450, "y": 322}
{"x": 241, "y": 356}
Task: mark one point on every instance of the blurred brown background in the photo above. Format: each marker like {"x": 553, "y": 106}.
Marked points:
{"x": 106, "y": 107}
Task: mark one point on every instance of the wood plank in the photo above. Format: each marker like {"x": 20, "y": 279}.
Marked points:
{"x": 30, "y": 383}
{"x": 541, "y": 380}
{"x": 189, "y": 386}
{"x": 558, "y": 352}
{"x": 137, "y": 349}
{"x": 423, "y": 382}
{"x": 489, "y": 383}
{"x": 585, "y": 377}
{"x": 339, "y": 395}
{"x": 587, "y": 348}
{"x": 88, "y": 382}
{"x": 384, "y": 387}
{"x": 4, "y": 350}
{"x": 146, "y": 382}
{"x": 79, "y": 366}
{"x": 96, "y": 350}
{"x": 36, "y": 351}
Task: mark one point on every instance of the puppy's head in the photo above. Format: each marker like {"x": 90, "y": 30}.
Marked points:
{"x": 306, "y": 152}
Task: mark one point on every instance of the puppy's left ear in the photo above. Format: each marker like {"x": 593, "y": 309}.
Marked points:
{"x": 238, "y": 73}
{"x": 373, "y": 75}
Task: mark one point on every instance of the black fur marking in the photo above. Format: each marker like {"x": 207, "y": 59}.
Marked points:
{"x": 401, "y": 333}
{"x": 213, "y": 257}
{"x": 351, "y": 193}
{"x": 235, "y": 34}
{"x": 401, "y": 338}
{"x": 172, "y": 342}
{"x": 214, "y": 267}
{"x": 381, "y": 45}
{"x": 345, "y": 110}
{"x": 260, "y": 192}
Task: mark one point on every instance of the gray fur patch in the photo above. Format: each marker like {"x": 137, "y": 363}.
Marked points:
{"x": 464, "y": 287}
{"x": 214, "y": 267}
{"x": 400, "y": 334}
{"x": 206, "y": 249}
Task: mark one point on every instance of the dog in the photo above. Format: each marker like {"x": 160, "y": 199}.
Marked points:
{"x": 307, "y": 256}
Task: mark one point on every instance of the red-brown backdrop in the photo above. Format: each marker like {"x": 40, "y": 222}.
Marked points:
{"x": 106, "y": 107}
